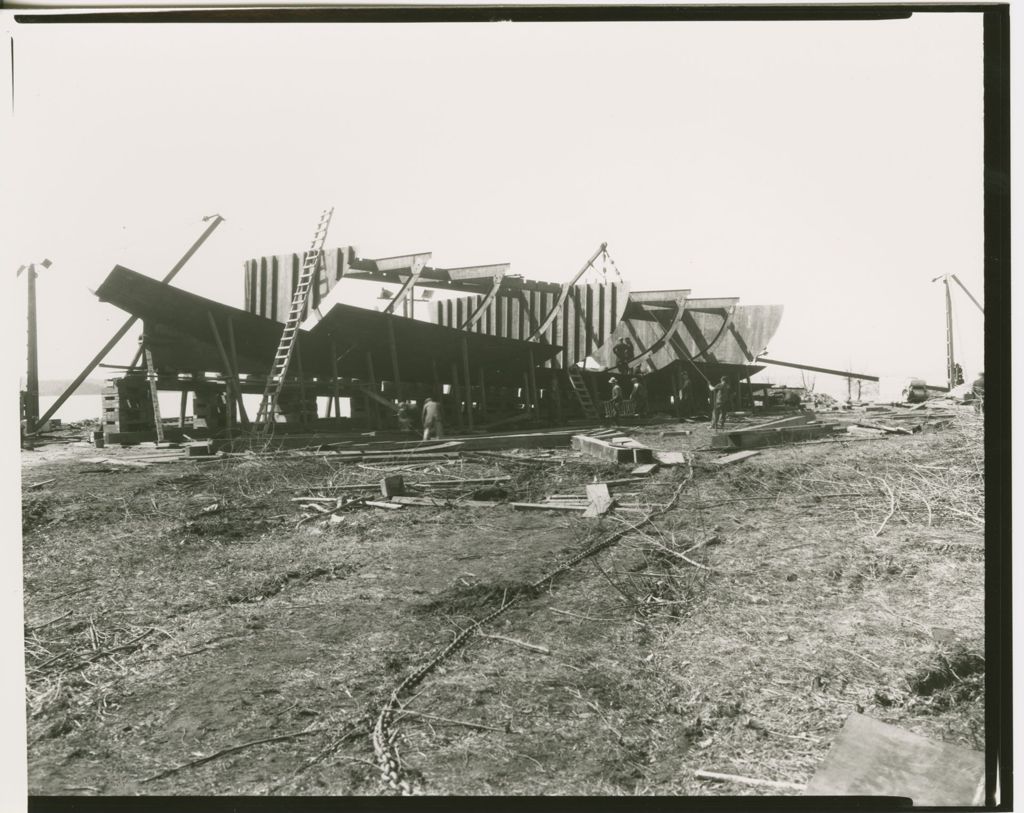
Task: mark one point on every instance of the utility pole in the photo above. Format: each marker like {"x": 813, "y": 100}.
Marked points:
{"x": 950, "y": 362}
{"x": 32, "y": 375}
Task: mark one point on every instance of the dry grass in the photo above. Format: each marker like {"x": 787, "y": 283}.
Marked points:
{"x": 734, "y": 634}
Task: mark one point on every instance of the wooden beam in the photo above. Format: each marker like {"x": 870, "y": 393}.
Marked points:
{"x": 456, "y": 395}
{"x": 371, "y": 406}
{"x": 393, "y": 346}
{"x": 153, "y": 393}
{"x": 563, "y": 294}
{"x": 485, "y": 303}
{"x": 483, "y": 395}
{"x": 416, "y": 268}
{"x": 231, "y": 382}
{"x": 534, "y": 395}
{"x": 302, "y": 385}
{"x": 234, "y": 372}
{"x": 334, "y": 374}
{"x": 469, "y": 384}
{"x": 184, "y": 408}
{"x": 843, "y": 373}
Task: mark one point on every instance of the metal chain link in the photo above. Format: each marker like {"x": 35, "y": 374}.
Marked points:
{"x": 384, "y": 735}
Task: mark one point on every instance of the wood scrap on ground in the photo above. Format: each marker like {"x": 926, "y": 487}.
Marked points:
{"x": 736, "y": 458}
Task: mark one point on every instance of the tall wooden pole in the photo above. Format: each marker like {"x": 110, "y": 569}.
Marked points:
{"x": 243, "y": 416}
{"x": 334, "y": 375}
{"x": 234, "y": 391}
{"x": 371, "y": 403}
{"x": 483, "y": 395}
{"x": 950, "y": 363}
{"x": 394, "y": 358}
{"x": 32, "y": 376}
{"x": 534, "y": 395}
{"x": 469, "y": 384}
{"x": 456, "y": 394}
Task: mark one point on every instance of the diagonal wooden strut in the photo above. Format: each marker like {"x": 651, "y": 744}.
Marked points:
{"x": 552, "y": 314}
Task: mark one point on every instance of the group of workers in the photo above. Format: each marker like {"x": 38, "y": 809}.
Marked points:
{"x": 431, "y": 418}
{"x": 637, "y": 397}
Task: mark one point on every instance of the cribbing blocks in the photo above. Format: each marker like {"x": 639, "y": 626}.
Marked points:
{"x": 618, "y": 450}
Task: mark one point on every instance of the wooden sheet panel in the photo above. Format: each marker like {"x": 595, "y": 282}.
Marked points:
{"x": 872, "y": 758}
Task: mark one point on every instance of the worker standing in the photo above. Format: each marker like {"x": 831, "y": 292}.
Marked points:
{"x": 639, "y": 396}
{"x": 614, "y": 404}
{"x": 433, "y": 421}
{"x": 684, "y": 396}
{"x": 719, "y": 399}
{"x": 405, "y": 416}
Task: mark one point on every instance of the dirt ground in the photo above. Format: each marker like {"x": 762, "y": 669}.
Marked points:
{"x": 181, "y": 611}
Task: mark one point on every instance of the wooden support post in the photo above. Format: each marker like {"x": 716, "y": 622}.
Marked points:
{"x": 469, "y": 384}
{"x": 184, "y": 409}
{"x": 534, "y": 395}
{"x": 371, "y": 404}
{"x": 394, "y": 358}
{"x": 527, "y": 403}
{"x": 234, "y": 373}
{"x": 302, "y": 386}
{"x": 153, "y": 393}
{"x": 334, "y": 373}
{"x": 556, "y": 391}
{"x": 232, "y": 392}
{"x": 437, "y": 381}
{"x": 456, "y": 394}
{"x": 483, "y": 396}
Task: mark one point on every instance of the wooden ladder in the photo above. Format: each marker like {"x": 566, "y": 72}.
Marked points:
{"x": 268, "y": 410}
{"x": 579, "y": 386}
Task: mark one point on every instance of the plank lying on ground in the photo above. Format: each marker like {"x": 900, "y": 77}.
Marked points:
{"x": 644, "y": 470}
{"x": 114, "y": 462}
{"x": 735, "y": 458}
{"x": 546, "y": 506}
{"x": 892, "y": 430}
{"x": 429, "y": 501}
{"x": 756, "y": 438}
{"x": 424, "y": 484}
{"x": 41, "y": 483}
{"x": 599, "y": 500}
{"x": 670, "y": 458}
{"x": 792, "y": 420}
{"x": 747, "y": 780}
{"x": 377, "y": 504}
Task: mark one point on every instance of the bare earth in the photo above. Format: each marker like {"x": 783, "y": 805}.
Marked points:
{"x": 180, "y": 610}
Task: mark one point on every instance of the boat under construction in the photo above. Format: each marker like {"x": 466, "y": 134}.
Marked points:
{"x": 495, "y": 348}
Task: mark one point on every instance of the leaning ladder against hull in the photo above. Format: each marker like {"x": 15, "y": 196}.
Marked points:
{"x": 275, "y": 381}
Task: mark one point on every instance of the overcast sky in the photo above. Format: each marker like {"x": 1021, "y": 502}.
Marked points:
{"x": 832, "y": 167}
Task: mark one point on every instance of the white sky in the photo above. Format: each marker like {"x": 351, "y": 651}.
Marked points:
{"x": 833, "y": 167}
